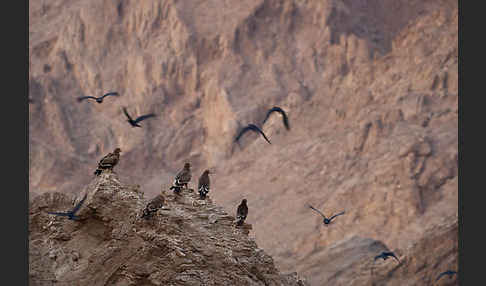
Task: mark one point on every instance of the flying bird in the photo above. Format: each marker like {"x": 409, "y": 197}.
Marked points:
{"x": 153, "y": 206}
{"x": 182, "y": 178}
{"x": 98, "y": 99}
{"x": 281, "y": 111}
{"x": 134, "y": 123}
{"x": 253, "y": 128}
{"x": 108, "y": 161}
{"x": 448, "y": 272}
{"x": 203, "y": 186}
{"x": 241, "y": 212}
{"x": 385, "y": 255}
{"x": 326, "y": 220}
{"x": 71, "y": 214}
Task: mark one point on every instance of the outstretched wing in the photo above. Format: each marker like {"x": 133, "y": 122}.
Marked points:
{"x": 126, "y": 114}
{"x": 243, "y": 131}
{"x": 60, "y": 214}
{"x": 110, "y": 93}
{"x": 341, "y": 213}
{"x": 316, "y": 210}
{"x": 254, "y": 128}
{"x": 392, "y": 255}
{"x": 81, "y": 98}
{"x": 440, "y": 275}
{"x": 76, "y": 208}
{"x": 281, "y": 111}
{"x": 143, "y": 117}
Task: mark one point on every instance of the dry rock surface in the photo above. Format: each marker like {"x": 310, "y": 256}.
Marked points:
{"x": 370, "y": 87}
{"x": 188, "y": 242}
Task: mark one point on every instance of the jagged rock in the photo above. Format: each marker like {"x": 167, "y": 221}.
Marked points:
{"x": 111, "y": 245}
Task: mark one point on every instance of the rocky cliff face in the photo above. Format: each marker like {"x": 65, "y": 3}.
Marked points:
{"x": 188, "y": 242}
{"x": 371, "y": 90}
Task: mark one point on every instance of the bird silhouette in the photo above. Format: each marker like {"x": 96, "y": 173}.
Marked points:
{"x": 71, "y": 214}
{"x": 241, "y": 212}
{"x": 134, "y": 123}
{"x": 203, "y": 185}
{"x": 254, "y": 128}
{"x": 281, "y": 111}
{"x": 326, "y": 220}
{"x": 182, "y": 178}
{"x": 448, "y": 272}
{"x": 385, "y": 255}
{"x": 98, "y": 99}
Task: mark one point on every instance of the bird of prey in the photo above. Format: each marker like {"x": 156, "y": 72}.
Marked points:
{"x": 448, "y": 272}
{"x": 241, "y": 212}
{"x": 182, "y": 178}
{"x": 153, "y": 206}
{"x": 108, "y": 161}
{"x": 71, "y": 214}
{"x": 98, "y": 99}
{"x": 281, "y": 111}
{"x": 134, "y": 123}
{"x": 253, "y": 128}
{"x": 385, "y": 255}
{"x": 326, "y": 220}
{"x": 203, "y": 186}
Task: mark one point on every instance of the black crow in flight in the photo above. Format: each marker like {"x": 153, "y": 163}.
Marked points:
{"x": 385, "y": 255}
{"x": 134, "y": 122}
{"x": 326, "y": 220}
{"x": 98, "y": 99}
{"x": 71, "y": 214}
{"x": 254, "y": 128}
{"x": 448, "y": 272}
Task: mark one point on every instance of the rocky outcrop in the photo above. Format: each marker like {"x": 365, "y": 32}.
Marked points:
{"x": 188, "y": 242}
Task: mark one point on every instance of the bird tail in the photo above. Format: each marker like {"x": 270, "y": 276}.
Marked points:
{"x": 203, "y": 191}
{"x": 240, "y": 220}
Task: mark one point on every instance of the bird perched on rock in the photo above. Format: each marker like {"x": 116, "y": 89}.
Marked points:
{"x": 135, "y": 122}
{"x": 203, "y": 186}
{"x": 385, "y": 255}
{"x": 71, "y": 214}
{"x": 281, "y": 111}
{"x": 253, "y": 128}
{"x": 153, "y": 206}
{"x": 326, "y": 220}
{"x": 98, "y": 99}
{"x": 108, "y": 162}
{"x": 182, "y": 178}
{"x": 448, "y": 272}
{"x": 241, "y": 212}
